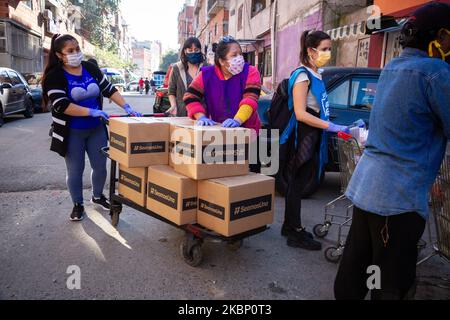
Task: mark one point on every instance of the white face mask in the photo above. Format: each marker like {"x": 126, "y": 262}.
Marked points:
{"x": 74, "y": 60}
{"x": 236, "y": 65}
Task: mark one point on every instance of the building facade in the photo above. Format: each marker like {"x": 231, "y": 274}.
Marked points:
{"x": 62, "y": 17}
{"x": 21, "y": 30}
{"x": 211, "y": 22}
{"x": 185, "y": 24}
{"x": 147, "y": 55}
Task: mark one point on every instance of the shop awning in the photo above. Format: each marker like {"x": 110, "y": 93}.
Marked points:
{"x": 386, "y": 23}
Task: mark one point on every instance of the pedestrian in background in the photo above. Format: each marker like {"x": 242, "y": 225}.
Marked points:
{"x": 308, "y": 135}
{"x": 141, "y": 84}
{"x": 409, "y": 129}
{"x": 74, "y": 88}
{"x": 183, "y": 72}
{"x": 147, "y": 86}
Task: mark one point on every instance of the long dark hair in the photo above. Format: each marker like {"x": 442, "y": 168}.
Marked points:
{"x": 57, "y": 45}
{"x": 424, "y": 25}
{"x": 222, "y": 49}
{"x": 187, "y": 44}
{"x": 310, "y": 39}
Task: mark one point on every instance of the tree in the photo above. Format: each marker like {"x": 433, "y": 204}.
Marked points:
{"x": 169, "y": 58}
{"x": 95, "y": 24}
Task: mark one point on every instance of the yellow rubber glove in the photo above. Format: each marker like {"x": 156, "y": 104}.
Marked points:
{"x": 244, "y": 113}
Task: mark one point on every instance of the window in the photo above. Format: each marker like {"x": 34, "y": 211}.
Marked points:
{"x": 363, "y": 92}
{"x": 258, "y": 6}
{"x": 4, "y": 77}
{"x": 338, "y": 97}
{"x": 29, "y": 4}
{"x": 15, "y": 80}
{"x": 250, "y": 57}
{"x": 267, "y": 62}
{"x": 240, "y": 16}
{"x": 2, "y": 37}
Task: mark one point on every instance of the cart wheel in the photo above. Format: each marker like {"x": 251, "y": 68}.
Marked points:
{"x": 115, "y": 217}
{"x": 114, "y": 212}
{"x": 235, "y": 245}
{"x": 333, "y": 254}
{"x": 192, "y": 255}
{"x": 321, "y": 230}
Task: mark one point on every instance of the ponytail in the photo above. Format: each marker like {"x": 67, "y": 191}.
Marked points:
{"x": 310, "y": 39}
{"x": 57, "y": 45}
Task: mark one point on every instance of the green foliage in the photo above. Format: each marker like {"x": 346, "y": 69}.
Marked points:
{"x": 111, "y": 60}
{"x": 95, "y": 24}
{"x": 168, "y": 58}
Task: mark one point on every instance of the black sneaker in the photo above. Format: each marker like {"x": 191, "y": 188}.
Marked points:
{"x": 300, "y": 239}
{"x": 77, "y": 213}
{"x": 102, "y": 202}
{"x": 285, "y": 231}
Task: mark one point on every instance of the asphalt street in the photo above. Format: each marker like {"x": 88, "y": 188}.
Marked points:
{"x": 141, "y": 259}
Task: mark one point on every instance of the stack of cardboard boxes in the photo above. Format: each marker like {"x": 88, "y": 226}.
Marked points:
{"x": 189, "y": 174}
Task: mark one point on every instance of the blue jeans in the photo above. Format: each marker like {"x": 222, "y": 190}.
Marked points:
{"x": 88, "y": 141}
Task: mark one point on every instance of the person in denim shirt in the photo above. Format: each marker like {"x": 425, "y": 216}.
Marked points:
{"x": 409, "y": 129}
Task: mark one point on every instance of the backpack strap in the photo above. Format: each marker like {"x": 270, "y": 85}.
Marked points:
{"x": 292, "y": 124}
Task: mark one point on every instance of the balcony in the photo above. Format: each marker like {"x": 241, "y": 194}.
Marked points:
{"x": 214, "y": 6}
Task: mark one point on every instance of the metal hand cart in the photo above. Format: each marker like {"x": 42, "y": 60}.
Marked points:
{"x": 195, "y": 234}
{"x": 349, "y": 152}
{"x": 440, "y": 204}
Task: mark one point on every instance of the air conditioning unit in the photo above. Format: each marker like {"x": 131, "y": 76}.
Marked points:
{"x": 47, "y": 14}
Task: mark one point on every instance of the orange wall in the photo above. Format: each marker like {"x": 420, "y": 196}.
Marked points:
{"x": 390, "y": 6}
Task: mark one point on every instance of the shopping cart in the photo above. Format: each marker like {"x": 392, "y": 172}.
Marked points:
{"x": 440, "y": 204}
{"x": 195, "y": 234}
{"x": 349, "y": 152}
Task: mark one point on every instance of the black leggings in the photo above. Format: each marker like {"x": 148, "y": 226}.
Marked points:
{"x": 366, "y": 246}
{"x": 300, "y": 169}
{"x": 293, "y": 199}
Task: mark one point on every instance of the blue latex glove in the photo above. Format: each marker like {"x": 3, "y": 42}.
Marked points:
{"x": 130, "y": 111}
{"x": 231, "y": 123}
{"x": 338, "y": 128}
{"x": 98, "y": 114}
{"x": 205, "y": 122}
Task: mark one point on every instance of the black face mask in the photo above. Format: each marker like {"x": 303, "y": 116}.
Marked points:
{"x": 195, "y": 57}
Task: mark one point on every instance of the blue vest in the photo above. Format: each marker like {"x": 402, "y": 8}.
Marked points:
{"x": 318, "y": 89}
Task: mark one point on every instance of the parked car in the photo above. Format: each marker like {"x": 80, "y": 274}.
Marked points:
{"x": 15, "y": 95}
{"x": 351, "y": 92}
{"x": 34, "y": 82}
{"x": 133, "y": 86}
{"x": 162, "y": 103}
{"x": 116, "y": 78}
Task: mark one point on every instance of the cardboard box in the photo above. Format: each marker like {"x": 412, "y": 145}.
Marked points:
{"x": 172, "y": 195}
{"x": 139, "y": 142}
{"x": 203, "y": 153}
{"x": 133, "y": 183}
{"x": 231, "y": 206}
{"x": 173, "y": 122}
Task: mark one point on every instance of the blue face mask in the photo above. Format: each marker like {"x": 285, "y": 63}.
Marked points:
{"x": 195, "y": 57}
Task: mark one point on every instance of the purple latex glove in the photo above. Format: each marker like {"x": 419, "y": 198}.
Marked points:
{"x": 231, "y": 123}
{"x": 130, "y": 111}
{"x": 337, "y": 128}
{"x": 204, "y": 121}
{"x": 98, "y": 114}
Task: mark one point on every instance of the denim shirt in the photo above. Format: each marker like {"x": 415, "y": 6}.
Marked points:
{"x": 409, "y": 129}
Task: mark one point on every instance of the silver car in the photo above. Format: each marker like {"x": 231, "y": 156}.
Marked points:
{"x": 15, "y": 95}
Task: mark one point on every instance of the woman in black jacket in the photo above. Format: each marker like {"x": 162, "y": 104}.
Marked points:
{"x": 74, "y": 89}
